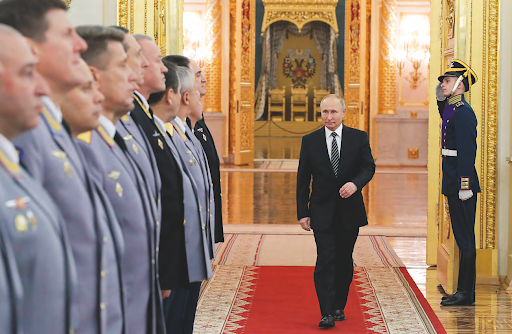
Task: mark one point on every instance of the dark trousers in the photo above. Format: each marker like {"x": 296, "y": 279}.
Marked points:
{"x": 180, "y": 309}
{"x": 334, "y": 266}
{"x": 462, "y": 216}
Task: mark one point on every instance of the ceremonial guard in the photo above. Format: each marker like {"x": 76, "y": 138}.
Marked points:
{"x": 460, "y": 179}
{"x": 34, "y": 246}
{"x": 125, "y": 186}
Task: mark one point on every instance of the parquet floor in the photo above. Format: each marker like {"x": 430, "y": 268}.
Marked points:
{"x": 393, "y": 200}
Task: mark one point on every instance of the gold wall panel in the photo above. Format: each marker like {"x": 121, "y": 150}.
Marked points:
{"x": 387, "y": 61}
{"x": 213, "y": 60}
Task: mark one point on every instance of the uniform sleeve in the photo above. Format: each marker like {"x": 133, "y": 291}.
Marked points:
{"x": 303, "y": 182}
{"x": 440, "y": 106}
{"x": 465, "y": 136}
{"x": 31, "y": 154}
{"x": 367, "y": 163}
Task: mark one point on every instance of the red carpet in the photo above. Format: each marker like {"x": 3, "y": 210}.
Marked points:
{"x": 282, "y": 300}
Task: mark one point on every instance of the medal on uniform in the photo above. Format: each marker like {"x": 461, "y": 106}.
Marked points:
{"x": 160, "y": 144}
{"x": 191, "y": 162}
{"x": 63, "y": 156}
{"x": 32, "y": 219}
{"x": 114, "y": 175}
{"x": 204, "y": 137}
{"x": 21, "y": 223}
{"x": 135, "y": 149}
{"x": 18, "y": 203}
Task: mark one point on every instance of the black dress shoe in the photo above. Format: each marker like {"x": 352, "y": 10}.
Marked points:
{"x": 327, "y": 322}
{"x": 339, "y": 315}
{"x": 460, "y": 298}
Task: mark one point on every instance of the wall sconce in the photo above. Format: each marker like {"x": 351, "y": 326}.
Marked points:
{"x": 414, "y": 46}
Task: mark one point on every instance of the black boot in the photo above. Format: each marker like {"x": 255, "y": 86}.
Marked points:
{"x": 465, "y": 294}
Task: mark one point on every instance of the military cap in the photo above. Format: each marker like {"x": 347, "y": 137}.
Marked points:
{"x": 459, "y": 68}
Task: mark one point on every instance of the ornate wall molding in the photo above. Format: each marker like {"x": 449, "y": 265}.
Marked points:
{"x": 124, "y": 11}
{"x": 68, "y": 2}
{"x": 213, "y": 61}
{"x": 300, "y": 12}
{"x": 387, "y": 61}
{"x": 490, "y": 117}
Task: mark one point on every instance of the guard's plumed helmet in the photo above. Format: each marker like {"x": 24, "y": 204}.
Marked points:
{"x": 459, "y": 68}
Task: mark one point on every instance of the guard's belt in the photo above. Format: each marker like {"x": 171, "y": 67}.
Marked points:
{"x": 448, "y": 153}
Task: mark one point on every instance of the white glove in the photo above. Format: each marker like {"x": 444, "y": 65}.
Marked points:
{"x": 439, "y": 92}
{"x": 465, "y": 194}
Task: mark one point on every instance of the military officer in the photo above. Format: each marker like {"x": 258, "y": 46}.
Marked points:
{"x": 202, "y": 133}
{"x": 34, "y": 246}
{"x": 50, "y": 155}
{"x": 138, "y": 146}
{"x": 190, "y": 103}
{"x": 165, "y": 106}
{"x": 460, "y": 179}
{"x": 133, "y": 202}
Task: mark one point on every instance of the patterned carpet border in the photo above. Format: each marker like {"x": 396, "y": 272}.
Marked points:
{"x": 388, "y": 302}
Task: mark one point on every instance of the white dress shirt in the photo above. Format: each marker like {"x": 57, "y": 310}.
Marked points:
{"x": 108, "y": 126}
{"x": 52, "y": 108}
{"x": 328, "y": 138}
{"x": 9, "y": 150}
{"x": 142, "y": 99}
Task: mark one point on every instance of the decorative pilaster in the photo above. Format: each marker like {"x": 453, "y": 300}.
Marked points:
{"x": 387, "y": 61}
{"x": 213, "y": 61}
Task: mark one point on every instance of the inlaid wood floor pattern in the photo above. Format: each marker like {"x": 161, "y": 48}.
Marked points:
{"x": 393, "y": 200}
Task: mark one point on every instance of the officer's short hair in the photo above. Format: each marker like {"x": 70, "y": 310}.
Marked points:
{"x": 29, "y": 16}
{"x": 342, "y": 101}
{"x": 7, "y": 32}
{"x": 171, "y": 82}
{"x": 142, "y": 37}
{"x": 186, "y": 79}
{"x": 123, "y": 29}
{"x": 97, "y": 39}
{"x": 178, "y": 60}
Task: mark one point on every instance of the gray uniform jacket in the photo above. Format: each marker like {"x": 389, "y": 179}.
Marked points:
{"x": 136, "y": 212}
{"x": 51, "y": 156}
{"x": 140, "y": 150}
{"x": 11, "y": 290}
{"x": 196, "y": 241}
{"x": 35, "y": 229}
{"x": 198, "y": 164}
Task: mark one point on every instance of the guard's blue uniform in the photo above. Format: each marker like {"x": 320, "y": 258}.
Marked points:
{"x": 459, "y": 173}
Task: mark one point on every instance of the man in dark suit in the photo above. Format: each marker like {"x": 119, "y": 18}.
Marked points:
{"x": 340, "y": 161}
{"x": 460, "y": 179}
{"x": 202, "y": 133}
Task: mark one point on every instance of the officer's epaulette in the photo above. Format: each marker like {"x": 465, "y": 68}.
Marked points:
{"x": 170, "y": 129}
{"x": 459, "y": 104}
{"x": 86, "y": 137}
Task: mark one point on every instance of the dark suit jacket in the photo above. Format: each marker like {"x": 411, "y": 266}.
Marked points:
{"x": 172, "y": 260}
{"x": 209, "y": 148}
{"x": 459, "y": 133}
{"x": 356, "y": 165}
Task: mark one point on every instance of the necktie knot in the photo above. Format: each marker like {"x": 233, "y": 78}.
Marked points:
{"x": 334, "y": 134}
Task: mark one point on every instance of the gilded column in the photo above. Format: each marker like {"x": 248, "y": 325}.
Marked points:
{"x": 213, "y": 61}
{"x": 387, "y": 62}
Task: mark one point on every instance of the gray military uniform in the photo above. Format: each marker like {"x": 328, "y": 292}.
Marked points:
{"x": 11, "y": 290}
{"x": 140, "y": 150}
{"x": 197, "y": 248}
{"x": 198, "y": 164}
{"x": 50, "y": 155}
{"x": 33, "y": 225}
{"x": 136, "y": 212}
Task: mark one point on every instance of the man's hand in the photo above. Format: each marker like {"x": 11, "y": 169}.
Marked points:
{"x": 348, "y": 190}
{"x": 465, "y": 194}
{"x": 166, "y": 293}
{"x": 439, "y": 92}
{"x": 305, "y": 223}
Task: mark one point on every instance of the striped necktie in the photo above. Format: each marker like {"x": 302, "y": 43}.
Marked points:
{"x": 335, "y": 154}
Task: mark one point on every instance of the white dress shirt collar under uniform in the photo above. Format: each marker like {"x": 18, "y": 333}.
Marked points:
{"x": 7, "y": 147}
